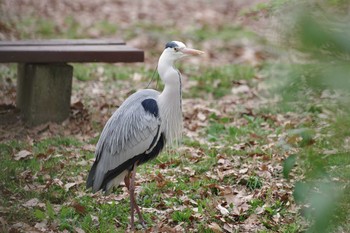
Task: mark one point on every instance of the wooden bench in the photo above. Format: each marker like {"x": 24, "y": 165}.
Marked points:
{"x": 44, "y": 82}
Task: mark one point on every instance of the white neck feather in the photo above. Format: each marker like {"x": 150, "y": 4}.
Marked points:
{"x": 170, "y": 101}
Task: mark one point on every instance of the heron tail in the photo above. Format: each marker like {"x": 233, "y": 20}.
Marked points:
{"x": 91, "y": 177}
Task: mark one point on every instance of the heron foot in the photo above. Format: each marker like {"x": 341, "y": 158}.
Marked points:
{"x": 143, "y": 223}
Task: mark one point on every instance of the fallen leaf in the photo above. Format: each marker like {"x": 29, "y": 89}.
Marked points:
{"x": 167, "y": 229}
{"x": 137, "y": 77}
{"x": 89, "y": 147}
{"x": 3, "y": 223}
{"x": 215, "y": 227}
{"x": 41, "y": 226}
{"x": 223, "y": 210}
{"x": 179, "y": 228}
{"x": 226, "y": 190}
{"x": 260, "y": 210}
{"x": 230, "y": 198}
{"x": 41, "y": 156}
{"x": 82, "y": 163}
{"x": 79, "y": 230}
{"x": 80, "y": 209}
{"x": 238, "y": 210}
{"x": 31, "y": 203}
{"x": 330, "y": 152}
{"x": 95, "y": 220}
{"x": 240, "y": 89}
{"x": 20, "y": 226}
{"x": 227, "y": 173}
{"x": 276, "y": 218}
{"x": 201, "y": 116}
{"x": 186, "y": 200}
{"x": 57, "y": 182}
{"x": 69, "y": 185}
{"x": 23, "y": 154}
{"x": 228, "y": 227}
{"x": 252, "y": 222}
{"x": 243, "y": 171}
{"x": 161, "y": 182}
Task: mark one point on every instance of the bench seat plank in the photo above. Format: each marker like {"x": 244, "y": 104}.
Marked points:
{"x": 70, "y": 53}
{"x": 60, "y": 42}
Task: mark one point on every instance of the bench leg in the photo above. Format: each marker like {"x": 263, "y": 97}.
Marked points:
{"x": 43, "y": 92}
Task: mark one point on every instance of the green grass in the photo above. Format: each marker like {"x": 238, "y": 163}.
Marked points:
{"x": 219, "y": 81}
{"x": 58, "y": 157}
{"x": 46, "y": 28}
{"x": 94, "y": 71}
{"x": 43, "y": 27}
{"x": 8, "y": 71}
{"x": 53, "y": 159}
{"x": 272, "y": 7}
{"x": 225, "y": 33}
{"x": 221, "y": 131}
{"x": 254, "y": 182}
{"x": 182, "y": 216}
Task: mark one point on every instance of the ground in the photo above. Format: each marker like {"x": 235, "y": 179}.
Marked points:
{"x": 228, "y": 173}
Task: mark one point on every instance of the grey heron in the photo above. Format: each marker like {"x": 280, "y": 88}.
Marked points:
{"x": 140, "y": 128}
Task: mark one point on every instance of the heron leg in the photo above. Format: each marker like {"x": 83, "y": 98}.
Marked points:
{"x": 127, "y": 184}
{"x": 130, "y": 183}
{"x": 142, "y": 221}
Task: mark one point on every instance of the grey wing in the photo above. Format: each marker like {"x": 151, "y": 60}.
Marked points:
{"x": 131, "y": 131}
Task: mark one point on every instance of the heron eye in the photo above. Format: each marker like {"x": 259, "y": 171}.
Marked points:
{"x": 176, "y": 49}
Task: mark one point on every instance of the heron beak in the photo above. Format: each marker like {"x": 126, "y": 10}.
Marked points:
{"x": 188, "y": 51}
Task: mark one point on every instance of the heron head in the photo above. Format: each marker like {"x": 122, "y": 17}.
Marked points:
{"x": 176, "y": 50}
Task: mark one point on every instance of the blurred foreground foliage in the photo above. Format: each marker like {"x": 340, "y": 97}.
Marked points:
{"x": 318, "y": 83}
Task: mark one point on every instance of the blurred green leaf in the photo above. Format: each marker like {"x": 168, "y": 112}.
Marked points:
{"x": 301, "y": 192}
{"x": 322, "y": 35}
{"x": 288, "y": 165}
{"x": 324, "y": 204}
